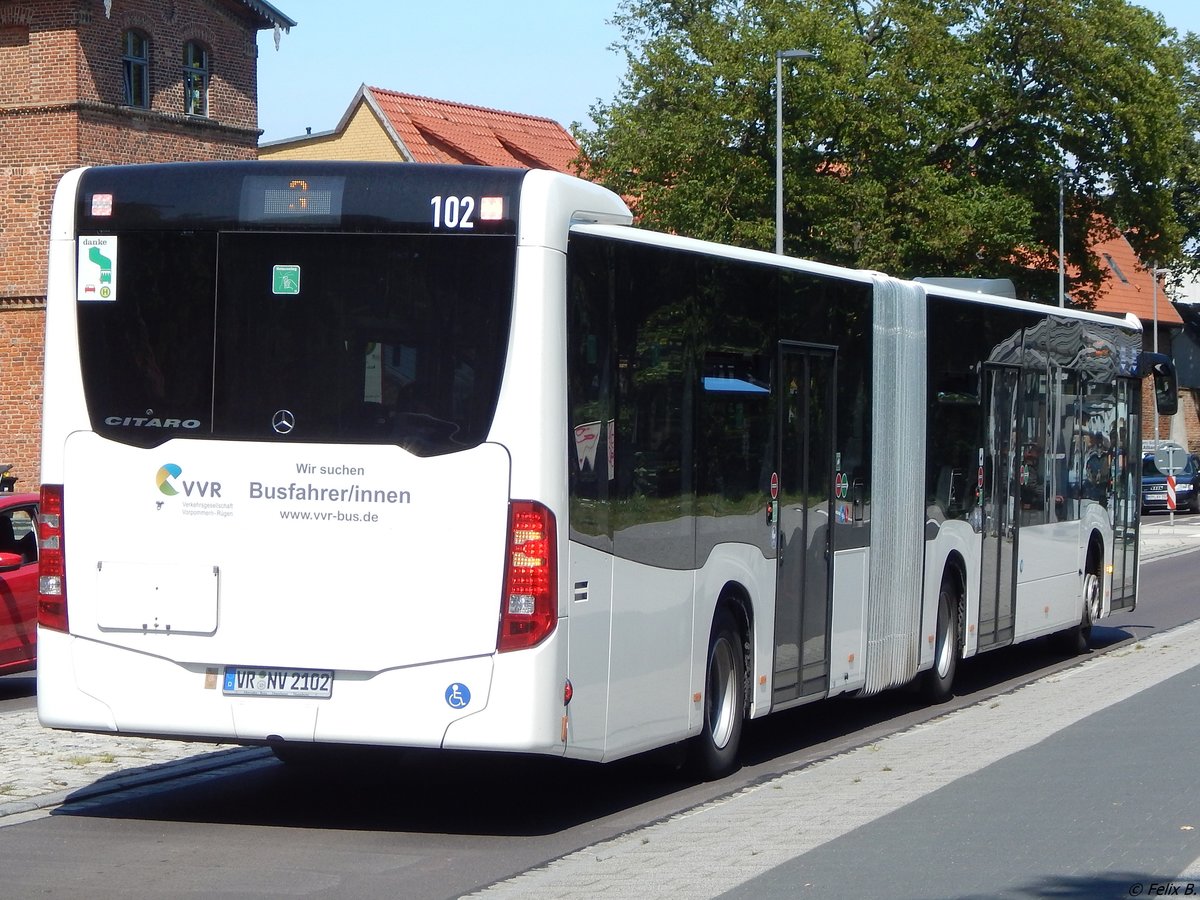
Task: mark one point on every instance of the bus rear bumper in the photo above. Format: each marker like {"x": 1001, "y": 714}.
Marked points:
{"x": 450, "y": 704}
{"x": 61, "y": 701}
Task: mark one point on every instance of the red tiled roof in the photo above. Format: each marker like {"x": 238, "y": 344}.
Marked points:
{"x": 439, "y": 131}
{"x": 1127, "y": 287}
{"x": 1135, "y": 292}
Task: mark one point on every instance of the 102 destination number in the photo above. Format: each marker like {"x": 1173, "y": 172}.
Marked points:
{"x": 453, "y": 212}
{"x": 462, "y": 212}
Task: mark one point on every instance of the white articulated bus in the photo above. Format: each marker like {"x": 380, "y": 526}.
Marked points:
{"x": 453, "y": 457}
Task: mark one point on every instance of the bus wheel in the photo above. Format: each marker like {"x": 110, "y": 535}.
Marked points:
{"x": 938, "y": 681}
{"x": 713, "y": 753}
{"x": 1078, "y": 638}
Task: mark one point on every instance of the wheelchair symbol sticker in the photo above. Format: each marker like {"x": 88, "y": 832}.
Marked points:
{"x": 458, "y": 696}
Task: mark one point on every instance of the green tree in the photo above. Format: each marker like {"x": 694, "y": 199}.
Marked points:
{"x": 929, "y": 138}
{"x": 1187, "y": 184}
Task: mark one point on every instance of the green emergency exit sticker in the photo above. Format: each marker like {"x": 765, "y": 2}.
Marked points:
{"x": 285, "y": 280}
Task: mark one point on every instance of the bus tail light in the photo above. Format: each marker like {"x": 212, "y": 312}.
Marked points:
{"x": 52, "y": 575}
{"x": 530, "y": 606}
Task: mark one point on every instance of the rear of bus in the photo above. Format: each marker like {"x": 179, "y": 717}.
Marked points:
{"x": 290, "y": 491}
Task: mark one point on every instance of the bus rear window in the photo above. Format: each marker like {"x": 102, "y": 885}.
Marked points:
{"x": 370, "y": 338}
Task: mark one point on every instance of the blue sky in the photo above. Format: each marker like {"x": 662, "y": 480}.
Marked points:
{"x": 530, "y": 56}
{"x": 542, "y": 58}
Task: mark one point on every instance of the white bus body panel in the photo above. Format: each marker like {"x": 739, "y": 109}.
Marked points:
{"x": 848, "y": 643}
{"x": 524, "y": 708}
{"x": 639, "y": 646}
{"x": 234, "y": 577}
{"x": 290, "y": 570}
{"x": 652, "y": 651}
{"x": 532, "y": 402}
{"x": 551, "y": 201}
{"x": 631, "y": 654}
{"x": 631, "y": 657}
{"x": 745, "y": 566}
{"x": 1048, "y": 582}
{"x": 590, "y": 637}
{"x": 64, "y": 408}
{"x": 100, "y": 687}
{"x": 954, "y": 537}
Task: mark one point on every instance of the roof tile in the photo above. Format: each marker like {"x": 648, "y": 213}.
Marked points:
{"x": 443, "y": 131}
{"x": 1129, "y": 286}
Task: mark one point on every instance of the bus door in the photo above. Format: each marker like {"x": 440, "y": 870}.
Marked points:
{"x": 1001, "y": 500}
{"x": 1126, "y": 498}
{"x": 806, "y": 408}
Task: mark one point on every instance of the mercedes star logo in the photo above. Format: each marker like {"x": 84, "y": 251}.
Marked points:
{"x": 283, "y": 421}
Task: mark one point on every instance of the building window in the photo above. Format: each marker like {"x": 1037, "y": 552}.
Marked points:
{"x": 135, "y": 61}
{"x": 195, "y": 79}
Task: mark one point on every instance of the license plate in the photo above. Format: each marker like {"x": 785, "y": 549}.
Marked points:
{"x": 1162, "y": 496}
{"x": 248, "y": 682}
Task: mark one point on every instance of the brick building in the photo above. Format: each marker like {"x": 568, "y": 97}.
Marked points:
{"x": 89, "y": 82}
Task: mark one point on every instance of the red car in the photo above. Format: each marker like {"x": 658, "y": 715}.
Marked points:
{"x": 18, "y": 582}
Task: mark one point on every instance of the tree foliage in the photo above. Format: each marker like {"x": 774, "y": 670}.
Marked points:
{"x": 1187, "y": 181}
{"x": 928, "y": 138}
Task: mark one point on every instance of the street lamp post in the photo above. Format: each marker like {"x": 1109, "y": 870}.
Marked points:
{"x": 1062, "y": 264}
{"x": 780, "y": 56}
{"x": 1155, "y": 272}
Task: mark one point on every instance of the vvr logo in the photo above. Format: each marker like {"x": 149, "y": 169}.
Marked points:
{"x": 170, "y": 483}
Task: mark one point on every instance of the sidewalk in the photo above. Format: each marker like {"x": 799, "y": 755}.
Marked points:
{"x": 1099, "y": 759}
{"x": 1081, "y": 785}
{"x": 1161, "y": 538}
{"x": 40, "y": 768}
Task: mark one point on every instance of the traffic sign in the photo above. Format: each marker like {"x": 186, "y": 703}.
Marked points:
{"x": 1170, "y": 458}
{"x": 1171, "y": 493}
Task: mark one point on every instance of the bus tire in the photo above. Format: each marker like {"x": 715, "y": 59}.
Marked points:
{"x": 714, "y": 751}
{"x": 938, "y": 681}
{"x": 1078, "y": 638}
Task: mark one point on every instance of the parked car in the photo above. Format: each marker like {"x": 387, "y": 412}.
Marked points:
{"x": 18, "y": 582}
{"x": 1154, "y": 486}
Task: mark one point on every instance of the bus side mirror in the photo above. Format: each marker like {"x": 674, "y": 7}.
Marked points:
{"x": 1166, "y": 385}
